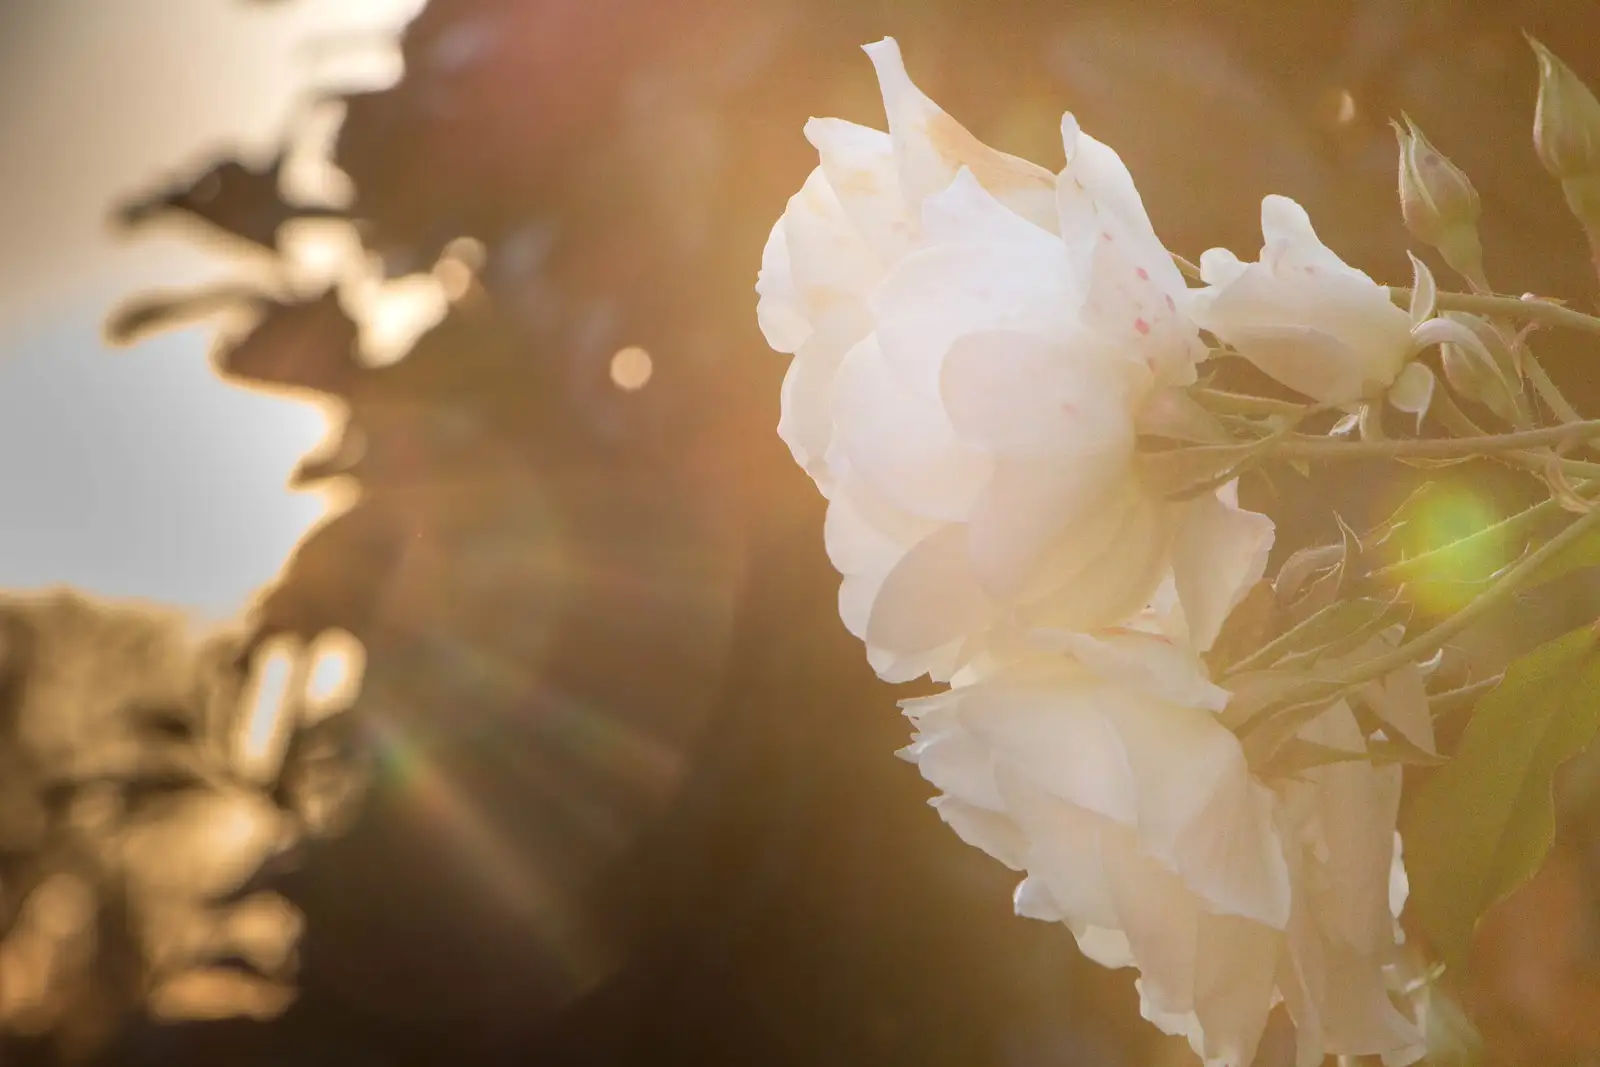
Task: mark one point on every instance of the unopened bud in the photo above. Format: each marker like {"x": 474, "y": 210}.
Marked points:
{"x": 1482, "y": 374}
{"x": 1439, "y": 204}
{"x": 1566, "y": 122}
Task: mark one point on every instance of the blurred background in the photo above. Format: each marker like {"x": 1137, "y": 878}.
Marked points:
{"x": 434, "y": 324}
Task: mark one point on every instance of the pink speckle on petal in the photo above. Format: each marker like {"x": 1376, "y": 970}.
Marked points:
{"x": 1141, "y": 325}
{"x": 1170, "y": 305}
{"x": 1107, "y": 235}
{"x": 1143, "y": 274}
{"x": 1311, "y": 270}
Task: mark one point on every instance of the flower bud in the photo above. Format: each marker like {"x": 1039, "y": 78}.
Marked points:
{"x": 1439, "y": 204}
{"x": 1482, "y": 374}
{"x": 1566, "y": 122}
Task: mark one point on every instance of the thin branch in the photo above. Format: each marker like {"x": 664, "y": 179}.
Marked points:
{"x": 1434, "y": 448}
{"x": 1226, "y": 403}
{"x": 1548, "y": 392}
{"x": 1513, "y": 307}
{"x": 1425, "y": 644}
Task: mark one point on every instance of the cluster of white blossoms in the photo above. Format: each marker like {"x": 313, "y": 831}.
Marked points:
{"x": 976, "y": 344}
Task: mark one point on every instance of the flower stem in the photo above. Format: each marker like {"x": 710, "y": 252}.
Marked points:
{"x": 1512, "y": 307}
{"x": 1548, "y": 392}
{"x": 1434, "y": 448}
{"x": 1226, "y": 403}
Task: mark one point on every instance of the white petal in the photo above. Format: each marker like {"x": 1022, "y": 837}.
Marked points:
{"x": 831, "y": 266}
{"x": 1200, "y": 809}
{"x": 1021, "y": 393}
{"x": 990, "y": 831}
{"x": 1440, "y": 330}
{"x": 1233, "y": 992}
{"x": 959, "y": 764}
{"x": 860, "y": 166}
{"x": 1108, "y": 180}
{"x": 1291, "y": 244}
{"x": 1105, "y": 566}
{"x": 931, "y": 146}
{"x": 1032, "y": 900}
{"x": 896, "y": 667}
{"x": 1160, "y": 918}
{"x": 1106, "y": 946}
{"x": 864, "y": 534}
{"x": 1142, "y": 662}
{"x": 930, "y": 599}
{"x": 1307, "y": 360}
{"x": 1058, "y": 740}
{"x": 805, "y": 420}
{"x": 779, "y": 309}
{"x": 903, "y": 443}
{"x": 1064, "y": 853}
{"x": 1302, "y": 315}
{"x": 964, "y": 211}
{"x": 1424, "y": 292}
{"x": 1220, "y": 267}
{"x": 1218, "y": 553}
{"x": 1412, "y": 392}
{"x": 1350, "y": 821}
{"x": 937, "y": 295}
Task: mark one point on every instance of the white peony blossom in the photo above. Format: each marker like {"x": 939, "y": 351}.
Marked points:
{"x": 975, "y": 341}
{"x": 1304, "y": 316}
{"x": 1136, "y": 821}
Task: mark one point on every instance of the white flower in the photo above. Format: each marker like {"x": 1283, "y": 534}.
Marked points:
{"x": 1302, "y": 315}
{"x": 975, "y": 341}
{"x": 1136, "y": 821}
{"x": 859, "y": 213}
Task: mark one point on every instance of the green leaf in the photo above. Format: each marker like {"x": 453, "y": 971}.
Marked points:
{"x": 1482, "y": 823}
